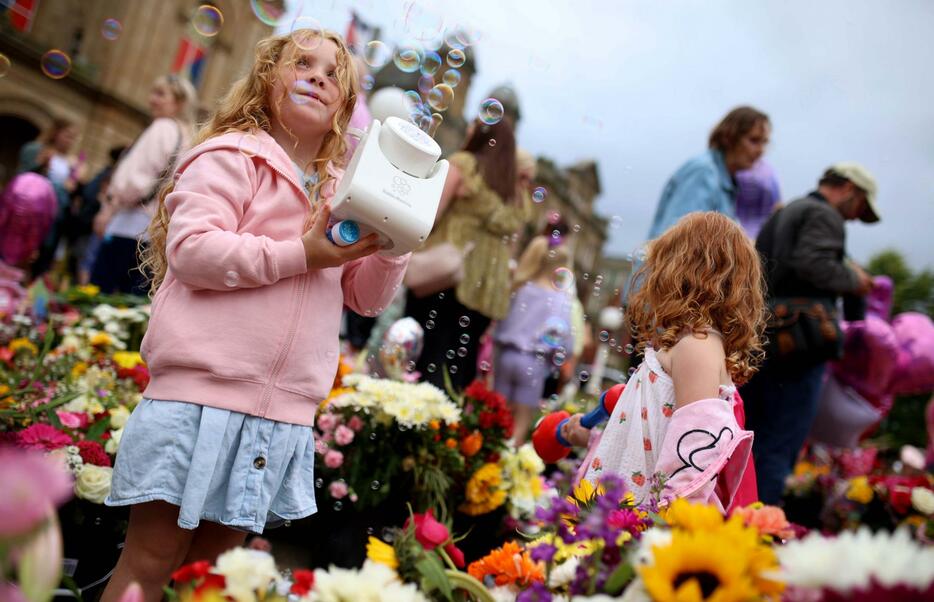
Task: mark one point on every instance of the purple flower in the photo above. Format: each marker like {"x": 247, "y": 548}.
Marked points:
{"x": 543, "y": 552}
{"x": 33, "y": 485}
{"x": 537, "y": 592}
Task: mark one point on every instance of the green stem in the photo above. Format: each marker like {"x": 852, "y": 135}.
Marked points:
{"x": 467, "y": 583}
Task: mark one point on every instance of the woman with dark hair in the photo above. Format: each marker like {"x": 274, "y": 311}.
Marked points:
{"x": 706, "y": 182}
{"x": 481, "y": 205}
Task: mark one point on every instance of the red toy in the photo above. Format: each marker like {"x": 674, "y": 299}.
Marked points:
{"x": 551, "y": 446}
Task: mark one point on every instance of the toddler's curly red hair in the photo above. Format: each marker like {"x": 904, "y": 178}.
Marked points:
{"x": 703, "y": 272}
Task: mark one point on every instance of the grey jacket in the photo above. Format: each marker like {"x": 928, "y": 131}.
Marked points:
{"x": 802, "y": 249}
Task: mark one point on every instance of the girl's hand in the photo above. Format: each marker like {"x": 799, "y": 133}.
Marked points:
{"x": 321, "y": 253}
{"x": 572, "y": 430}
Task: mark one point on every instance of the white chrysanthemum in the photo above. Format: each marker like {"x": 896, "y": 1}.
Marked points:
{"x": 373, "y": 583}
{"x": 79, "y": 404}
{"x": 562, "y": 574}
{"x": 411, "y": 405}
{"x": 650, "y": 538}
{"x": 246, "y": 572}
{"x": 850, "y": 560}
{"x": 503, "y": 593}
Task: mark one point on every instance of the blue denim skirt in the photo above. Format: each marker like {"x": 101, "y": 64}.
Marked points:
{"x": 226, "y": 467}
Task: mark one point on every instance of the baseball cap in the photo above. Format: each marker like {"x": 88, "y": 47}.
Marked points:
{"x": 861, "y": 178}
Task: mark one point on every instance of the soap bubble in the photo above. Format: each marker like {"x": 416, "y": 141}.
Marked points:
{"x": 111, "y": 29}
{"x": 423, "y": 20}
{"x": 319, "y": 482}
{"x": 249, "y": 145}
{"x": 584, "y": 376}
{"x": 431, "y": 368}
{"x": 449, "y": 354}
{"x": 301, "y": 91}
{"x": 207, "y": 20}
{"x": 231, "y": 278}
{"x": 425, "y": 84}
{"x": 431, "y": 63}
{"x": 451, "y": 77}
{"x": 338, "y": 505}
{"x": 616, "y": 221}
{"x": 407, "y": 58}
{"x": 604, "y": 336}
{"x": 464, "y": 338}
{"x": 55, "y": 64}
{"x": 492, "y": 142}
{"x": 464, "y": 321}
{"x": 484, "y": 366}
{"x": 452, "y": 369}
{"x": 376, "y": 54}
{"x": 576, "y": 228}
{"x": 4, "y": 65}
{"x": 433, "y": 314}
{"x": 436, "y": 120}
{"x": 306, "y": 33}
{"x": 491, "y": 111}
{"x": 461, "y": 352}
{"x": 440, "y": 97}
{"x": 269, "y": 12}
{"x": 430, "y": 324}
{"x": 538, "y": 195}
{"x": 375, "y": 485}
{"x": 367, "y": 83}
{"x": 562, "y": 279}
{"x": 457, "y": 58}
{"x": 629, "y": 349}
{"x": 554, "y": 332}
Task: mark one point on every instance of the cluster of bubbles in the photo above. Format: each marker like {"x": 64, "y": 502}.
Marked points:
{"x": 111, "y": 29}
{"x": 207, "y": 20}
{"x": 55, "y": 64}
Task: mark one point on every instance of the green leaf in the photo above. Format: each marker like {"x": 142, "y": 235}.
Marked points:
{"x": 53, "y": 418}
{"x": 433, "y": 575}
{"x": 98, "y": 428}
{"x": 619, "y": 578}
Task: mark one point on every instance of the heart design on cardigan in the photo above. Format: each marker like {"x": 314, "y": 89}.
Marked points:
{"x": 689, "y": 449}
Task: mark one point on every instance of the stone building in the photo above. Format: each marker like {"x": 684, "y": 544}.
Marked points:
{"x": 106, "y": 89}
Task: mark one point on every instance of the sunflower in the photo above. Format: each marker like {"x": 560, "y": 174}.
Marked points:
{"x": 692, "y": 517}
{"x": 381, "y": 552}
{"x": 23, "y": 343}
{"x": 585, "y": 492}
{"x": 699, "y": 566}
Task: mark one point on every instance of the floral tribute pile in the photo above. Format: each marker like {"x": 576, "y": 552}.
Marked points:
{"x": 69, "y": 377}
{"x": 378, "y": 436}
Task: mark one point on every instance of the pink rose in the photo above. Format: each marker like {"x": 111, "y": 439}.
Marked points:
{"x": 333, "y": 459}
{"x": 428, "y": 531}
{"x": 337, "y": 489}
{"x": 321, "y": 447}
{"x": 73, "y": 420}
{"x": 327, "y": 422}
{"x": 343, "y": 435}
{"x": 356, "y": 423}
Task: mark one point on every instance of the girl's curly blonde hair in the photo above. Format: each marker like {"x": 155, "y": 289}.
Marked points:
{"x": 702, "y": 273}
{"x": 245, "y": 108}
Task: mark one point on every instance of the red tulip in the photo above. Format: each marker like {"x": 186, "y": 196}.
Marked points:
{"x": 304, "y": 581}
{"x": 457, "y": 557}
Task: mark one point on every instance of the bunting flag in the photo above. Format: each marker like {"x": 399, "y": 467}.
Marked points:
{"x": 359, "y": 33}
{"x": 22, "y": 13}
{"x": 189, "y": 61}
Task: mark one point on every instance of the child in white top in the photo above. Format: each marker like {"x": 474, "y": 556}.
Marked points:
{"x": 699, "y": 314}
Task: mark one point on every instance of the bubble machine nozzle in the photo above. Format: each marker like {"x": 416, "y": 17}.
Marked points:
{"x": 393, "y": 185}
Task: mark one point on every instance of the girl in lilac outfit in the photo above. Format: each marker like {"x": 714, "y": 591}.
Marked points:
{"x": 536, "y": 333}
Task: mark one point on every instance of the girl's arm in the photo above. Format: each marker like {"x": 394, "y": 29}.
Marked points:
{"x": 453, "y": 185}
{"x": 696, "y": 367}
{"x": 369, "y": 284}
{"x": 137, "y": 172}
{"x": 509, "y": 217}
{"x": 203, "y": 246}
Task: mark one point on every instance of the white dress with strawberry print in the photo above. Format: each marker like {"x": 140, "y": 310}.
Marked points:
{"x": 632, "y": 438}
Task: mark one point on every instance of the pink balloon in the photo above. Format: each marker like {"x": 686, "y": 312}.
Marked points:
{"x": 879, "y": 299}
{"x": 914, "y": 368}
{"x": 868, "y": 363}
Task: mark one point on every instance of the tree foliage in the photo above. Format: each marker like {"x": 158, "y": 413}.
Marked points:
{"x": 914, "y": 291}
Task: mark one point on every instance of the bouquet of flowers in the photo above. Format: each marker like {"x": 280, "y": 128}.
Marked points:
{"x": 844, "y": 490}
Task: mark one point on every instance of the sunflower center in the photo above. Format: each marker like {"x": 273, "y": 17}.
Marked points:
{"x": 708, "y": 582}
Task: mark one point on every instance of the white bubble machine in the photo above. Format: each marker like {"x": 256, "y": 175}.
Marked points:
{"x": 393, "y": 185}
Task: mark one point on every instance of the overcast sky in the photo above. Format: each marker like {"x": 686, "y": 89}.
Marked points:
{"x": 636, "y": 85}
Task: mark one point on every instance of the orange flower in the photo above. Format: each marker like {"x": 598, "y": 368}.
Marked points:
{"x": 434, "y": 425}
{"x": 767, "y": 520}
{"x": 452, "y": 443}
{"x": 471, "y": 444}
{"x": 508, "y": 565}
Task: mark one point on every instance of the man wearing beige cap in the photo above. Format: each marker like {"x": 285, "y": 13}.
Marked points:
{"x": 803, "y": 252}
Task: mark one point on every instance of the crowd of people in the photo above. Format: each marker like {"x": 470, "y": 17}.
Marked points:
{"x": 733, "y": 281}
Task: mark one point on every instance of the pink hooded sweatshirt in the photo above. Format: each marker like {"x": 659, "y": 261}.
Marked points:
{"x": 240, "y": 322}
